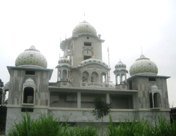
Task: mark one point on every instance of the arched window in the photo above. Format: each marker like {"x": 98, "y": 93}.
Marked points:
{"x": 157, "y": 100}
{"x": 155, "y": 97}
{"x": 94, "y": 77}
{"x": 64, "y": 75}
{"x": 117, "y": 79}
{"x": 85, "y": 76}
{"x": 28, "y": 95}
{"x": 59, "y": 75}
{"x": 123, "y": 78}
{"x": 103, "y": 77}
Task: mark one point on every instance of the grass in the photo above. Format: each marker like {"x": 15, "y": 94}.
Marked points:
{"x": 49, "y": 126}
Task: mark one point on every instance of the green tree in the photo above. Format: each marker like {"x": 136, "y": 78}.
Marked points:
{"x": 101, "y": 108}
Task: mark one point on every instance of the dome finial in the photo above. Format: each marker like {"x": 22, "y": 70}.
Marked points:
{"x": 84, "y": 17}
{"x": 32, "y": 47}
{"x": 141, "y": 50}
{"x": 142, "y": 56}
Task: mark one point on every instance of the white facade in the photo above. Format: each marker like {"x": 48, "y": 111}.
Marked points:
{"x": 83, "y": 76}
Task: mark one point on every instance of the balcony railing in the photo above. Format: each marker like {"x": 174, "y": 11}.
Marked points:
{"x": 94, "y": 84}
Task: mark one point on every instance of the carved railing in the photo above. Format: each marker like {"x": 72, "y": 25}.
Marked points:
{"x": 94, "y": 84}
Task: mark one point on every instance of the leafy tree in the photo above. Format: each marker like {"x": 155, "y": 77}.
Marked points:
{"x": 101, "y": 108}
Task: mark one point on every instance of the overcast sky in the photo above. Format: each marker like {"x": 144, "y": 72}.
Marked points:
{"x": 129, "y": 27}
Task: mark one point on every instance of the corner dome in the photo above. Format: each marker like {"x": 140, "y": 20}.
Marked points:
{"x": 84, "y": 28}
{"x": 31, "y": 58}
{"x": 143, "y": 66}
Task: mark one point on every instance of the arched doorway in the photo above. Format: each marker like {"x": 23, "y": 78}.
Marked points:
{"x": 28, "y": 95}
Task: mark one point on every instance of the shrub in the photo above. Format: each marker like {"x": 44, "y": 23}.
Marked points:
{"x": 23, "y": 128}
{"x": 143, "y": 128}
{"x": 78, "y": 131}
{"x": 101, "y": 108}
{"x": 164, "y": 128}
{"x": 48, "y": 126}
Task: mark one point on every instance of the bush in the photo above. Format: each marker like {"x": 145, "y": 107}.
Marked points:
{"x": 77, "y": 131}
{"x": 44, "y": 126}
{"x": 143, "y": 128}
{"x": 48, "y": 126}
{"x": 164, "y": 128}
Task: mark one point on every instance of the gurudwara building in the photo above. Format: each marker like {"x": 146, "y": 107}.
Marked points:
{"x": 81, "y": 77}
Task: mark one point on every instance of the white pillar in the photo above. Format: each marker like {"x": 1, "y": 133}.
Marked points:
{"x": 78, "y": 99}
{"x": 61, "y": 74}
{"x": 107, "y": 98}
{"x": 153, "y": 100}
{"x": 89, "y": 78}
{"x": 120, "y": 78}
{"x": 99, "y": 77}
{"x": 58, "y": 74}
{"x": 116, "y": 79}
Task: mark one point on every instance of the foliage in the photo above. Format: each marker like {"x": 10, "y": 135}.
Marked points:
{"x": 164, "y": 128}
{"x": 130, "y": 129}
{"x": 143, "y": 128}
{"x": 48, "y": 126}
{"x": 78, "y": 131}
{"x": 45, "y": 126}
{"x": 101, "y": 108}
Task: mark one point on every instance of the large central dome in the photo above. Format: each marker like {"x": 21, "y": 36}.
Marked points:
{"x": 84, "y": 28}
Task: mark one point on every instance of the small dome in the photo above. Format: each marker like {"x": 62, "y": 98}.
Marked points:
{"x": 142, "y": 66}
{"x": 84, "y": 28}
{"x": 120, "y": 65}
{"x": 64, "y": 62}
{"x": 31, "y": 58}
